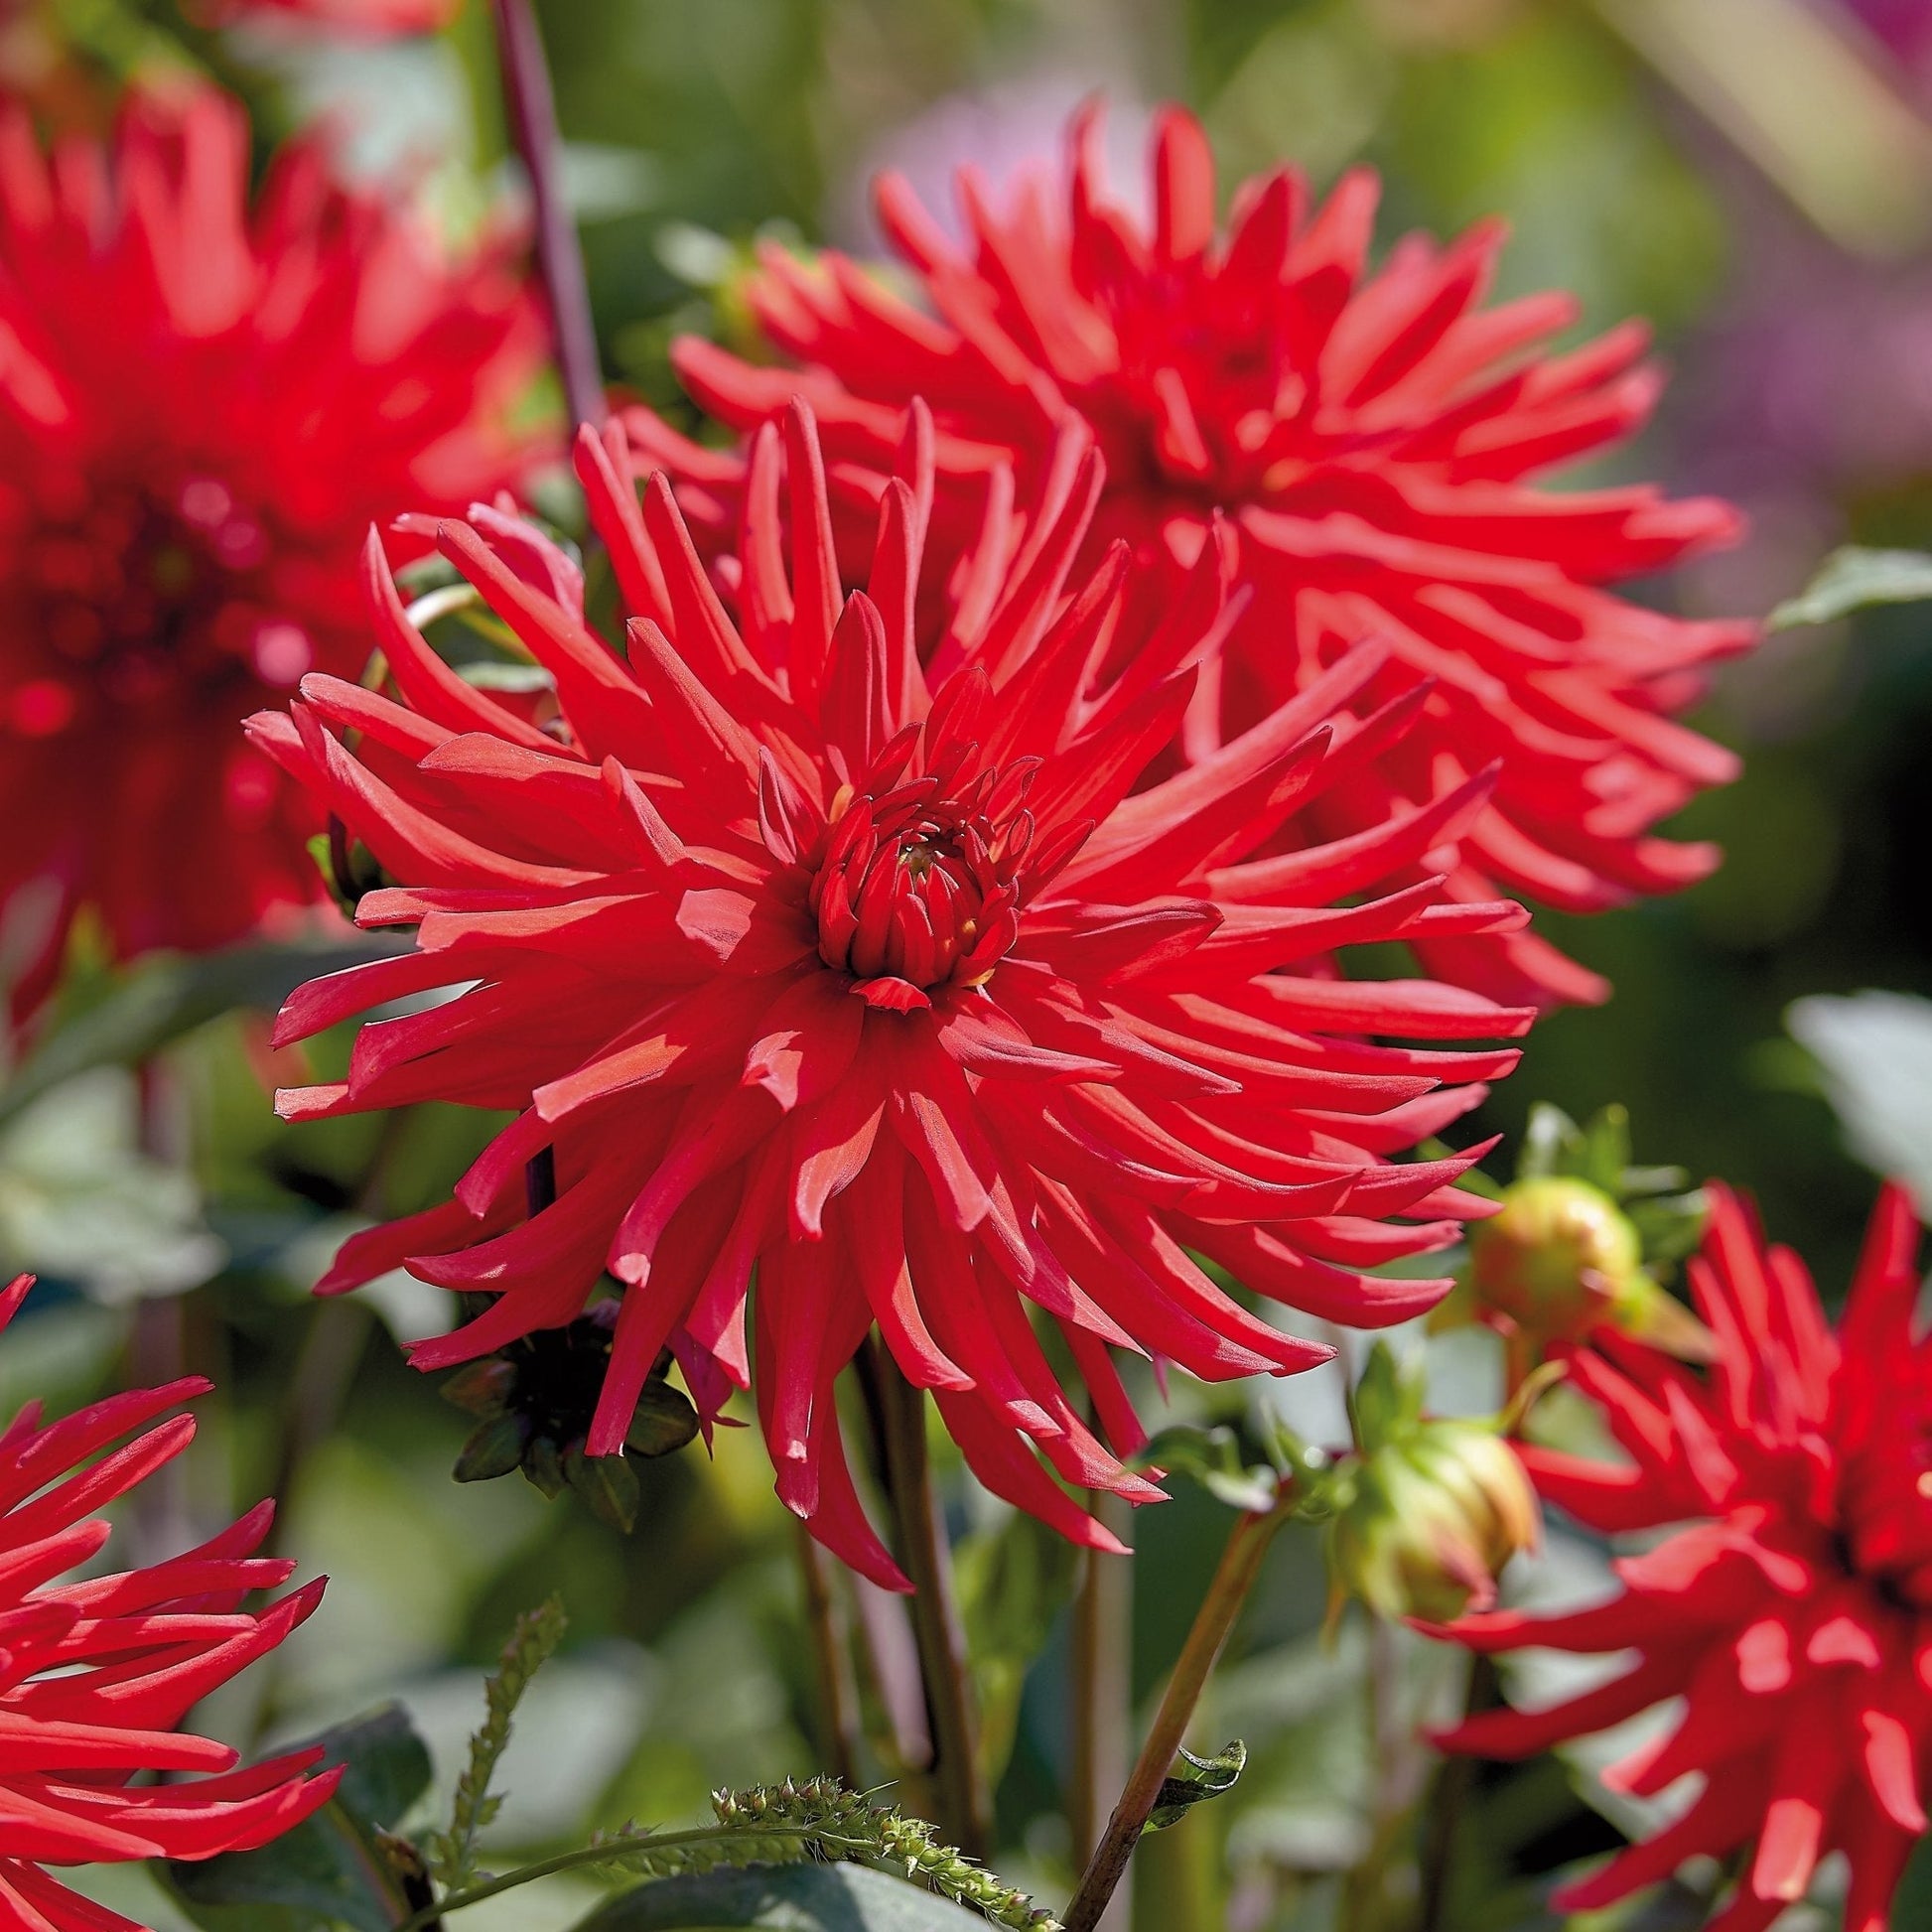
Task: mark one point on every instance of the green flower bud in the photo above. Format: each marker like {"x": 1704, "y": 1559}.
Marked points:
{"x": 1426, "y": 1510}
{"x": 1557, "y": 1259}
{"x": 535, "y": 1399}
{"x": 1563, "y": 1260}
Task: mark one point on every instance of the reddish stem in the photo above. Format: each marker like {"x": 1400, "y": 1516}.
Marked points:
{"x": 560, "y": 256}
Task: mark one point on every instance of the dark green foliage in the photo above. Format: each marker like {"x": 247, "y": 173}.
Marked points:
{"x": 332, "y": 1869}
{"x": 534, "y": 1401}
{"x": 791, "y": 1898}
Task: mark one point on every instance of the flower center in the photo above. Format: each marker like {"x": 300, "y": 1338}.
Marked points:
{"x": 136, "y": 593}
{"x": 919, "y": 887}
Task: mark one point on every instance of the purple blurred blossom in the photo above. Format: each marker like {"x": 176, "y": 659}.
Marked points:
{"x": 1904, "y": 25}
{"x": 1005, "y": 131}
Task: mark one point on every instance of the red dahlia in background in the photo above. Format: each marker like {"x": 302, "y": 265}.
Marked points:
{"x": 870, "y": 975}
{"x": 202, "y": 403}
{"x": 364, "y": 19}
{"x": 1794, "y": 1618}
{"x": 100, "y": 1670}
{"x": 1375, "y": 434}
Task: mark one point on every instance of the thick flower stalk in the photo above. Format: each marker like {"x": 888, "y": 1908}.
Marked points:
{"x": 100, "y": 1670}
{"x": 202, "y": 403}
{"x": 1794, "y": 1617}
{"x": 877, "y": 978}
{"x": 1375, "y": 436}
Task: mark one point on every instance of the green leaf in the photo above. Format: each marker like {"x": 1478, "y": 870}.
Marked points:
{"x": 1203, "y": 1778}
{"x": 329, "y": 1871}
{"x": 1548, "y": 1141}
{"x": 494, "y": 1449}
{"x": 1851, "y": 580}
{"x": 1913, "y": 1902}
{"x": 138, "y": 1013}
{"x": 520, "y": 679}
{"x": 1670, "y": 1228}
{"x": 1876, "y": 1052}
{"x": 781, "y": 1898}
{"x": 608, "y": 1484}
{"x": 1386, "y": 1401}
{"x": 1606, "y": 1150}
{"x": 1013, "y": 1581}
{"x": 453, "y": 1853}
{"x": 664, "y": 1423}
{"x": 1212, "y": 1457}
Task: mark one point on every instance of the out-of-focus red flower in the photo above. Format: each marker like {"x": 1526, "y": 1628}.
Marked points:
{"x": 100, "y": 1670}
{"x": 1375, "y": 437}
{"x": 361, "y": 19}
{"x": 1794, "y": 1617}
{"x": 804, "y": 956}
{"x": 201, "y": 407}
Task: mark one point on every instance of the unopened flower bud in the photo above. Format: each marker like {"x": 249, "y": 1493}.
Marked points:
{"x": 1428, "y": 1510}
{"x": 1557, "y": 1259}
{"x": 1561, "y": 1260}
{"x": 535, "y": 1399}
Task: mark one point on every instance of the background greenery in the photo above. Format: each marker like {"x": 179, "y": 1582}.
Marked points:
{"x": 1647, "y": 159}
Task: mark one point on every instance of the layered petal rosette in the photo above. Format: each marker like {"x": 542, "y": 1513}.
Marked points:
{"x": 875, "y": 982}
{"x": 1793, "y": 1615}
{"x": 1376, "y": 434}
{"x": 204, "y": 400}
{"x": 100, "y": 1670}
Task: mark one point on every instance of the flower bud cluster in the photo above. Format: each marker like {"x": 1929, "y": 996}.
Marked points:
{"x": 533, "y": 1401}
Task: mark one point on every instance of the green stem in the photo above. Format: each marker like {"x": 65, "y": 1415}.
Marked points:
{"x": 832, "y": 1662}
{"x": 1365, "y": 1888}
{"x": 927, "y": 1559}
{"x": 1449, "y": 1798}
{"x": 615, "y": 1852}
{"x": 1101, "y": 1669}
{"x": 1235, "y": 1577}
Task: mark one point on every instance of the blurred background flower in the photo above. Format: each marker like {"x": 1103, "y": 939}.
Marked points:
{"x": 208, "y": 394}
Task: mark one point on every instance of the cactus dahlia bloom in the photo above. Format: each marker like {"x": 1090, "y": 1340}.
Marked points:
{"x": 99, "y": 1671}
{"x": 1375, "y": 436}
{"x": 202, "y": 403}
{"x": 1794, "y": 1617}
{"x": 878, "y": 978}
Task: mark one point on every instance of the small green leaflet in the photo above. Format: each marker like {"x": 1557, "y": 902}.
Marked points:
{"x": 1213, "y": 1459}
{"x": 1852, "y": 578}
{"x": 1203, "y": 1778}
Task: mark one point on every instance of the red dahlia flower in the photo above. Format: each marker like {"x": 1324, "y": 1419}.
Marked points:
{"x": 100, "y": 1672}
{"x": 1374, "y": 436}
{"x": 201, "y": 407}
{"x": 1794, "y": 1618}
{"x": 801, "y": 955}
